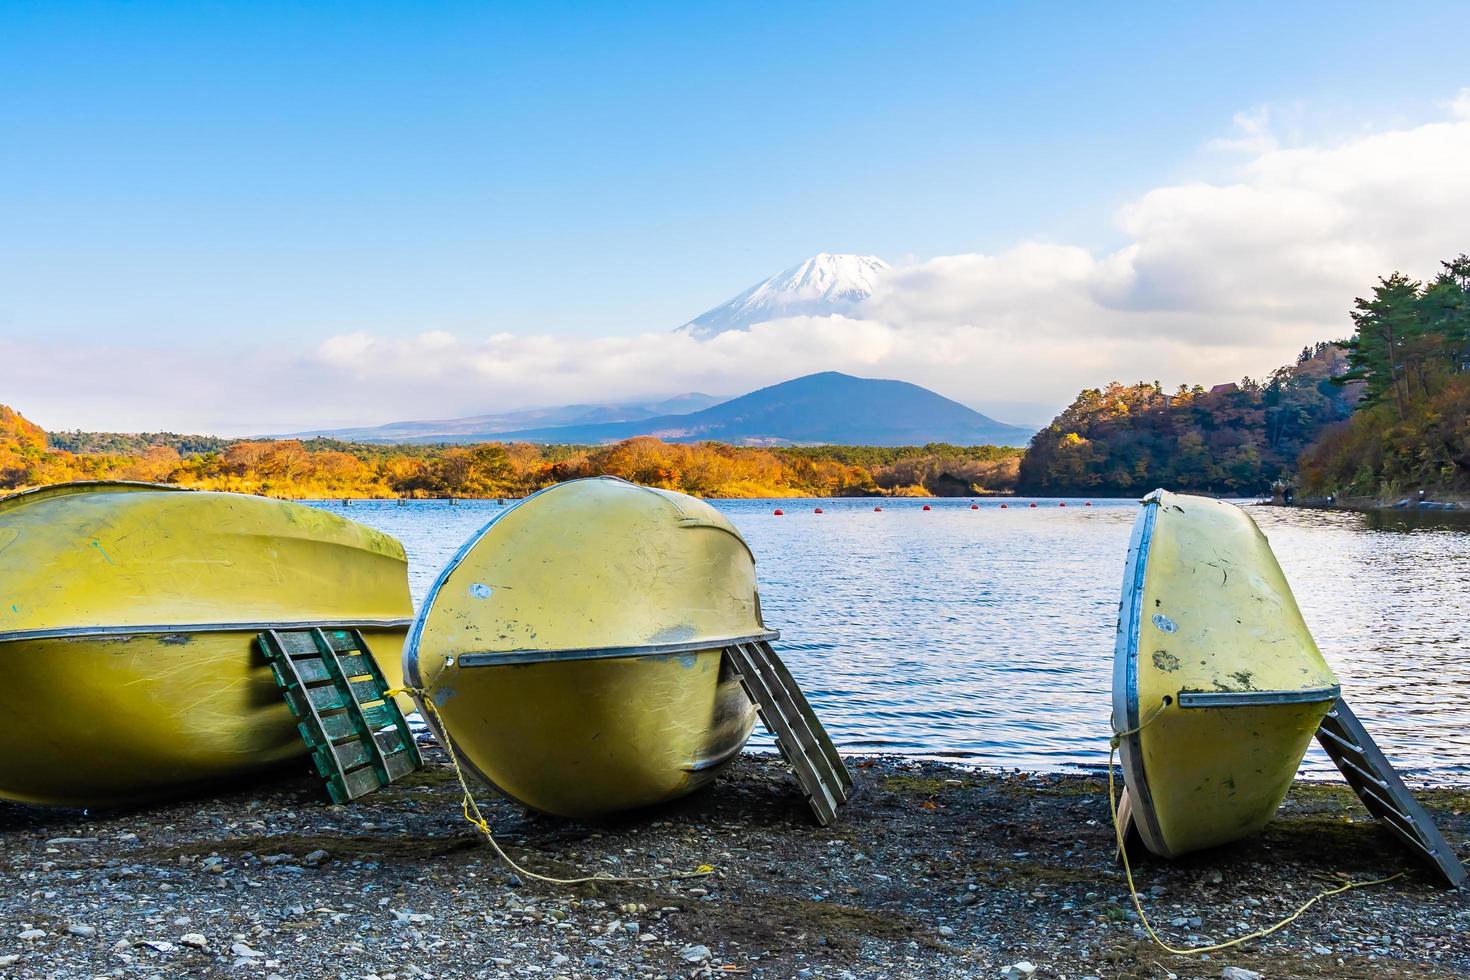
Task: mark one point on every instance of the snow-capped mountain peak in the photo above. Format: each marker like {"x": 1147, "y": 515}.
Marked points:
{"x": 822, "y": 285}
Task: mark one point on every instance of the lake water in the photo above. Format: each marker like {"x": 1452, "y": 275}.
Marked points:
{"x": 986, "y": 636}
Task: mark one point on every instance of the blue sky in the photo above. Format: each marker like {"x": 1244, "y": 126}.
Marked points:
{"x": 232, "y": 177}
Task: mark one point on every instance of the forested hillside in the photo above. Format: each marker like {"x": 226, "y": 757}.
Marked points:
{"x": 1410, "y": 352}
{"x": 1233, "y": 439}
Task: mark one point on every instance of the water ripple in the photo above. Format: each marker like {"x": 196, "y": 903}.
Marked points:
{"x": 987, "y": 635}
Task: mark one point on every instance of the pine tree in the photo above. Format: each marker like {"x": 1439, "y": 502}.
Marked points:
{"x": 1388, "y": 329}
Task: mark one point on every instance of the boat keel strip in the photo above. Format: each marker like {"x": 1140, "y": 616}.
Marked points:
{"x": 782, "y": 707}
{"x": 513, "y": 657}
{"x": 1257, "y": 699}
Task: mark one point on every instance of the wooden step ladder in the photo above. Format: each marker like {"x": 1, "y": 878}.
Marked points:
{"x": 358, "y": 738}
{"x": 799, "y": 734}
{"x": 1373, "y": 778}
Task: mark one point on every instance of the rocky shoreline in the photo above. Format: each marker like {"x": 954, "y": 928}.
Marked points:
{"x": 933, "y": 871}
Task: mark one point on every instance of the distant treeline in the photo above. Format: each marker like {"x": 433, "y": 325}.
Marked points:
{"x": 322, "y": 468}
{"x": 134, "y": 443}
{"x": 1383, "y": 413}
{"x": 1233, "y": 439}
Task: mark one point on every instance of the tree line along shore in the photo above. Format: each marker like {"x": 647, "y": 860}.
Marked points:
{"x": 1382, "y": 414}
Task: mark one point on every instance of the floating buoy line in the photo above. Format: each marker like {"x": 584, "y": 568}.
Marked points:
{"x": 778, "y": 512}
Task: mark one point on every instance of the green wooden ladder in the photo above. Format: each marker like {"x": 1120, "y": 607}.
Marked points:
{"x": 358, "y": 738}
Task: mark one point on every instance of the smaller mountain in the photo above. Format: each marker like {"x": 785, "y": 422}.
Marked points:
{"x": 823, "y": 285}
{"x": 826, "y": 408}
{"x": 481, "y": 427}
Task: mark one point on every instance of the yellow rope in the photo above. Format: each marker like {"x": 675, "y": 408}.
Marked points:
{"x": 1133, "y": 889}
{"x": 472, "y": 813}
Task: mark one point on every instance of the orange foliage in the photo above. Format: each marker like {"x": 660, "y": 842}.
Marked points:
{"x": 291, "y": 468}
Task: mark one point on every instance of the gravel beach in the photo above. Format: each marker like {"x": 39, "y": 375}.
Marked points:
{"x": 932, "y": 871}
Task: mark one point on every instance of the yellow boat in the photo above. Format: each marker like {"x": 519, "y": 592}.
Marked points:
{"x": 1216, "y": 680}
{"x": 128, "y": 615}
{"x": 572, "y": 650}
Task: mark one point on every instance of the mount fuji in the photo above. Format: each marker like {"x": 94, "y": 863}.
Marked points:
{"x": 822, "y": 285}
{"x": 820, "y": 408}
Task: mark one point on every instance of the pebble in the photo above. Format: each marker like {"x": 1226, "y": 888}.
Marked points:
{"x": 1238, "y": 973}
{"x": 337, "y": 913}
{"x": 86, "y": 932}
{"x": 694, "y": 954}
{"x": 30, "y": 934}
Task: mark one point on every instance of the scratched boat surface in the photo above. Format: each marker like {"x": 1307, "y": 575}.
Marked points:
{"x": 1215, "y": 663}
{"x": 128, "y": 614}
{"x": 506, "y": 643}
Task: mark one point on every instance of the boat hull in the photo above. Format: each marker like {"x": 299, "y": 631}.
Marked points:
{"x": 101, "y": 721}
{"x": 127, "y": 637}
{"x": 1217, "y": 683}
{"x": 628, "y": 733}
{"x": 573, "y": 650}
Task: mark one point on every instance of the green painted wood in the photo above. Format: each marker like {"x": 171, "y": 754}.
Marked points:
{"x": 358, "y": 739}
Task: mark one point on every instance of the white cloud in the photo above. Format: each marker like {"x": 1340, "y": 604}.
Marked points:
{"x": 1460, "y": 104}
{"x": 1215, "y": 279}
{"x": 1253, "y": 133}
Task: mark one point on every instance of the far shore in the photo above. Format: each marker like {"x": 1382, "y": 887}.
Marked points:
{"x": 1433, "y": 503}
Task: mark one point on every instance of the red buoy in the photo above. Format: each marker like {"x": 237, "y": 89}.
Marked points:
{"x": 1088, "y": 504}
{"x": 816, "y": 510}
{"x": 1033, "y": 505}
{"x": 779, "y": 512}
{"x": 876, "y": 509}
{"x": 1062, "y": 504}
{"x": 927, "y": 507}
{"x": 1004, "y": 506}
{"x": 974, "y": 506}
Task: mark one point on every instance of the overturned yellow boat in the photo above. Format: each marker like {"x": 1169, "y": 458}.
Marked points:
{"x": 128, "y": 616}
{"x": 573, "y": 649}
{"x": 1218, "y": 686}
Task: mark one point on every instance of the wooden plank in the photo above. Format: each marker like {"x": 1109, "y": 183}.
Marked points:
{"x": 338, "y": 727}
{"x": 379, "y": 715}
{"x": 361, "y": 782}
{"x": 808, "y": 740}
{"x": 311, "y": 671}
{"x": 273, "y": 645}
{"x": 819, "y": 795}
{"x": 294, "y": 642}
{"x": 365, "y": 690}
{"x": 819, "y": 731}
{"x": 1370, "y": 774}
{"x": 327, "y": 698}
{"x": 356, "y": 665}
{"x": 340, "y": 641}
{"x": 325, "y": 676}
